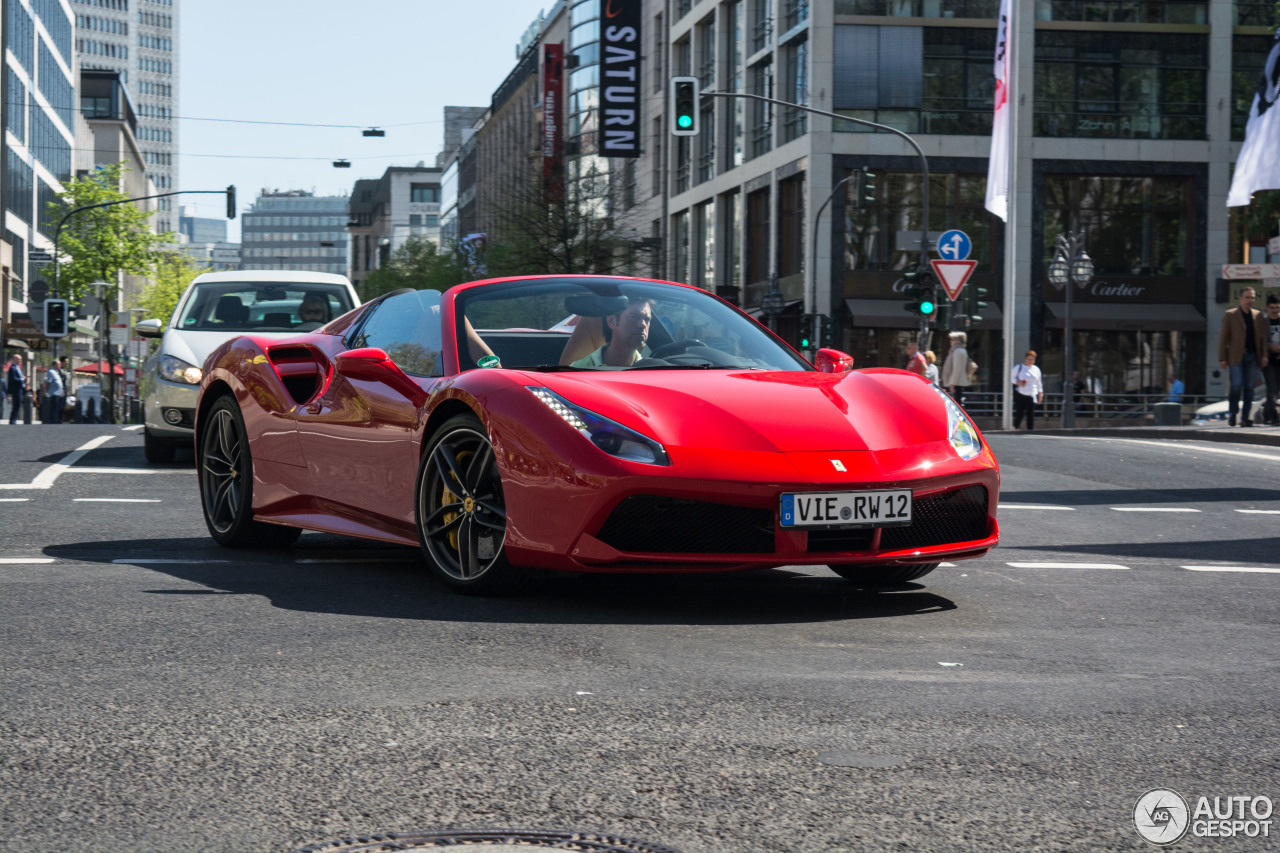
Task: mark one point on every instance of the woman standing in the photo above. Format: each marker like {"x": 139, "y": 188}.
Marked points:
{"x": 955, "y": 370}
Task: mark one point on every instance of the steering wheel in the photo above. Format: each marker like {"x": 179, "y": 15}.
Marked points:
{"x": 676, "y": 347}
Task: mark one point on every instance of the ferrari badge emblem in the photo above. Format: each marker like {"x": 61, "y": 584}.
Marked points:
{"x": 839, "y": 466}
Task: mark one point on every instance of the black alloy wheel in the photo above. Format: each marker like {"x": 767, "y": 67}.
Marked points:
{"x": 226, "y": 482}
{"x": 883, "y": 575}
{"x": 461, "y": 516}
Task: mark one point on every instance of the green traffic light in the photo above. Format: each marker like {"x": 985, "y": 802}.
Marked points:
{"x": 927, "y": 307}
{"x": 685, "y": 121}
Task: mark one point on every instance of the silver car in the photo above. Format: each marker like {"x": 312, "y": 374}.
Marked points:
{"x": 216, "y": 307}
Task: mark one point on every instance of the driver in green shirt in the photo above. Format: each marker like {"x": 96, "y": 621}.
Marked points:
{"x": 625, "y": 336}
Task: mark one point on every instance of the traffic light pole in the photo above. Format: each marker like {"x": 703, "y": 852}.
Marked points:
{"x": 229, "y": 192}
{"x": 924, "y": 161}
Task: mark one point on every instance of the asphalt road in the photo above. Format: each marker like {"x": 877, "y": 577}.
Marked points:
{"x": 163, "y": 694}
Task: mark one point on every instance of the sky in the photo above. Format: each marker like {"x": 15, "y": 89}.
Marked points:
{"x": 393, "y": 64}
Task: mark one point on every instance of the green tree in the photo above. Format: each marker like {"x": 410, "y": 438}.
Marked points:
{"x": 173, "y": 272}
{"x": 1262, "y": 216}
{"x": 101, "y": 243}
{"x": 419, "y": 264}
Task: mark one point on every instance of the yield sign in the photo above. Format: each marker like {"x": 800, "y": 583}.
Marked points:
{"x": 953, "y": 275}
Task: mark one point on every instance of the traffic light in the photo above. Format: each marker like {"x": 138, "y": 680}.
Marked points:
{"x": 973, "y": 303}
{"x": 867, "y": 188}
{"x": 55, "y": 318}
{"x": 806, "y": 330}
{"x": 828, "y": 330}
{"x": 943, "y": 317}
{"x": 685, "y": 92}
{"x": 231, "y": 202}
{"x": 922, "y": 289}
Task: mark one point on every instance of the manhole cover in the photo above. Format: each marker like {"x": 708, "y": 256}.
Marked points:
{"x": 848, "y": 758}
{"x": 487, "y": 841}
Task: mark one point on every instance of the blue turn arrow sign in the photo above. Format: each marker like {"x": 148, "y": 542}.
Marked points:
{"x": 954, "y": 245}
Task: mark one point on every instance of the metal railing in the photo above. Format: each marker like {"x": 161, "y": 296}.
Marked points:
{"x": 1117, "y": 408}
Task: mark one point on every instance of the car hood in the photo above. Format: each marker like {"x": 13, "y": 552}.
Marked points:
{"x": 195, "y": 347}
{"x": 762, "y": 411}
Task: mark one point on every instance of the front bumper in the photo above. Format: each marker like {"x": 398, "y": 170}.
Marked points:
{"x": 169, "y": 409}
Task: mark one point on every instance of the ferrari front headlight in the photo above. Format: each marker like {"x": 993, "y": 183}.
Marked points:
{"x": 177, "y": 370}
{"x": 961, "y": 432}
{"x": 608, "y": 435}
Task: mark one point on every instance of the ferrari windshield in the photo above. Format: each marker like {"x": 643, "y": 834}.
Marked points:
{"x": 613, "y": 324}
{"x": 249, "y": 306}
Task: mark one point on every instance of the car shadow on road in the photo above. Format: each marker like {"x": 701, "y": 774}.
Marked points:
{"x": 389, "y": 582}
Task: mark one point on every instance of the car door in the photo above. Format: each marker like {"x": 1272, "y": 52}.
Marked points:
{"x": 359, "y": 436}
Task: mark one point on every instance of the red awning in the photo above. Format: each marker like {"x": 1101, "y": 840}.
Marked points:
{"x": 93, "y": 368}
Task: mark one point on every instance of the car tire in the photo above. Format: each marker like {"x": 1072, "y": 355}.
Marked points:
{"x": 460, "y": 512}
{"x": 883, "y": 575}
{"x": 157, "y": 450}
{"x": 225, "y": 469}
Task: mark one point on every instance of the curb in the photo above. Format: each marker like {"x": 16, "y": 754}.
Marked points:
{"x": 1262, "y": 436}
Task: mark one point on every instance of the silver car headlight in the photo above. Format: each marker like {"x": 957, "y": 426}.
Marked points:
{"x": 608, "y": 435}
{"x": 961, "y": 432}
{"x": 177, "y": 370}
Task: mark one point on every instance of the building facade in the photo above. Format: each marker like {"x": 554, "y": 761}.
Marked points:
{"x": 1131, "y": 118}
{"x": 385, "y": 212}
{"x": 295, "y": 230}
{"x": 139, "y": 39}
{"x": 38, "y": 120}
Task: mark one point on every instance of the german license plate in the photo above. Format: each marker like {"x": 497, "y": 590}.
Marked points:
{"x": 846, "y": 509}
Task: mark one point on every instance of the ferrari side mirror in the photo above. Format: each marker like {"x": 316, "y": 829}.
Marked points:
{"x": 833, "y": 360}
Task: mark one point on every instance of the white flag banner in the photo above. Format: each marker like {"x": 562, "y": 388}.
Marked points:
{"x": 998, "y": 169}
{"x": 1258, "y": 166}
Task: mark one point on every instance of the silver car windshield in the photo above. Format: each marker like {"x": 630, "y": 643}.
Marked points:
{"x": 235, "y": 306}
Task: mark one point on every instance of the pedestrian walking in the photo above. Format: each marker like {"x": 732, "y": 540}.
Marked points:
{"x": 955, "y": 369}
{"x": 916, "y": 361}
{"x": 931, "y": 372}
{"x": 1028, "y": 390}
{"x": 1176, "y": 389}
{"x": 55, "y": 394}
{"x": 1242, "y": 352}
{"x": 1271, "y": 373}
{"x": 17, "y": 387}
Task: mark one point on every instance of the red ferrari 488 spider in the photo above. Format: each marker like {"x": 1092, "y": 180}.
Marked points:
{"x": 588, "y": 424}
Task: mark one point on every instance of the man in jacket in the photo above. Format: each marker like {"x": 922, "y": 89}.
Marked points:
{"x": 1242, "y": 351}
{"x": 16, "y": 386}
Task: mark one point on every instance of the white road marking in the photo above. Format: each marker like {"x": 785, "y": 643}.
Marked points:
{"x": 1035, "y": 506}
{"x": 357, "y": 560}
{"x": 132, "y": 428}
{"x": 25, "y": 561}
{"x": 1232, "y": 569}
{"x": 118, "y": 500}
{"x": 46, "y": 478}
{"x": 1260, "y": 511}
{"x": 1173, "y": 442}
{"x": 140, "y": 561}
{"x": 87, "y": 470}
{"x": 13, "y": 500}
{"x": 1153, "y": 509}
{"x": 1067, "y": 566}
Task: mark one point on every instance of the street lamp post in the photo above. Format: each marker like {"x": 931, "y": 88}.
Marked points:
{"x": 1071, "y": 263}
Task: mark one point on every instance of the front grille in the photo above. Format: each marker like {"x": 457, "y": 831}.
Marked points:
{"x": 657, "y": 524}
{"x": 956, "y": 516}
